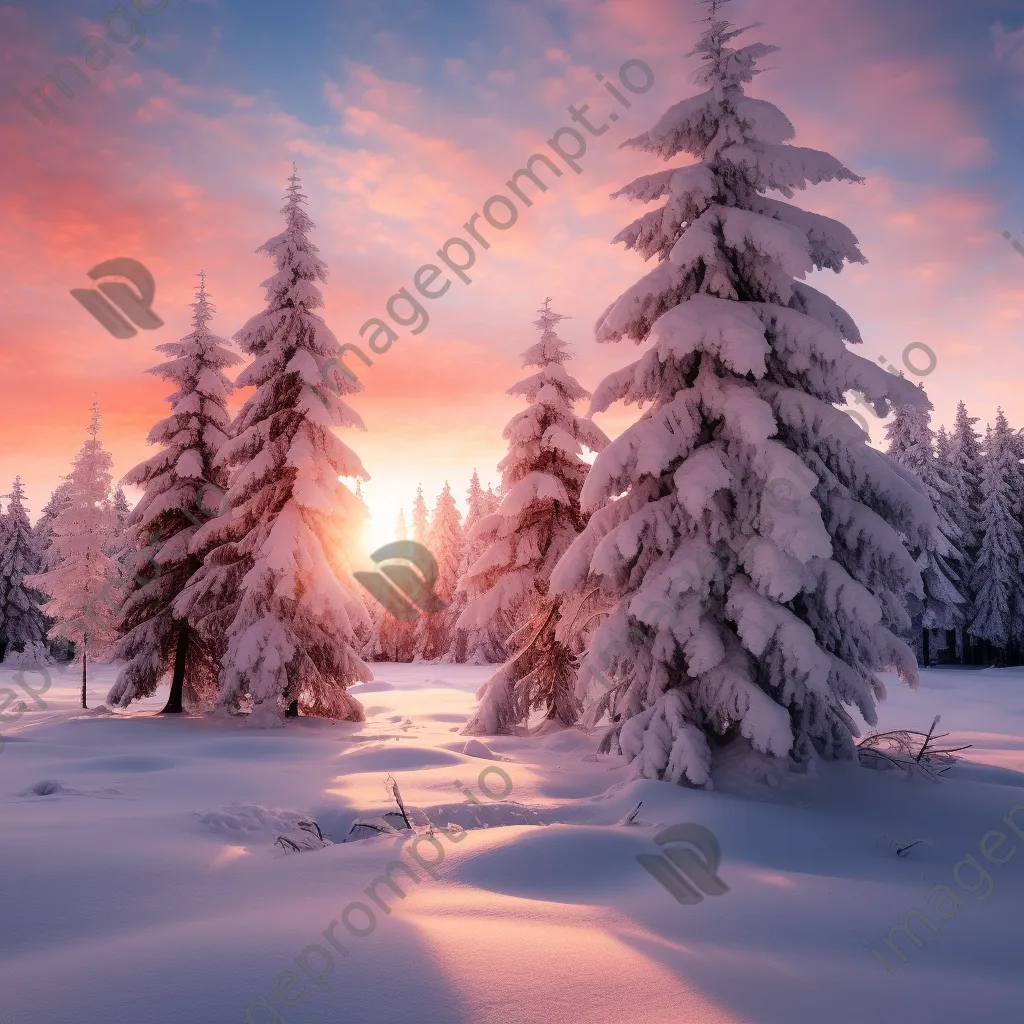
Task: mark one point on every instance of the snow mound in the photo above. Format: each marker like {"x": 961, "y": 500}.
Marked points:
{"x": 47, "y": 787}
{"x": 474, "y": 748}
{"x": 389, "y": 757}
{"x": 241, "y": 817}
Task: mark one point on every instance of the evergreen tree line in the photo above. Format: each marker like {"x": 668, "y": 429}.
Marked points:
{"x": 449, "y": 538}
{"x": 972, "y": 567}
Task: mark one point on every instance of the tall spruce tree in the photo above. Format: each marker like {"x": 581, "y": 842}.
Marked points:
{"x": 957, "y": 560}
{"x": 122, "y": 510}
{"x": 270, "y": 579}
{"x": 84, "y": 584}
{"x": 397, "y": 636}
{"x": 420, "y": 518}
{"x": 997, "y": 617}
{"x": 59, "y": 648}
{"x": 743, "y": 501}
{"x": 912, "y": 445}
{"x": 182, "y": 484}
{"x": 963, "y": 470}
{"x": 435, "y": 631}
{"x": 481, "y": 644}
{"x": 43, "y": 530}
{"x": 364, "y": 610}
{"x": 533, "y": 527}
{"x": 22, "y": 623}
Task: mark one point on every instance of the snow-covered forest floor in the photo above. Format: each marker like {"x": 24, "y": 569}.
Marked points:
{"x": 130, "y": 908}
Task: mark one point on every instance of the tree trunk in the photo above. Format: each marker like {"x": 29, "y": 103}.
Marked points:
{"x": 85, "y": 659}
{"x": 951, "y": 646}
{"x": 173, "y": 705}
{"x": 293, "y": 710}
{"x": 924, "y": 648}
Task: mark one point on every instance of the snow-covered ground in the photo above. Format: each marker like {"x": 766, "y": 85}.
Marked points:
{"x": 123, "y": 905}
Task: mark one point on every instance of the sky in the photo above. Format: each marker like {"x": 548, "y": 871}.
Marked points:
{"x": 403, "y": 118}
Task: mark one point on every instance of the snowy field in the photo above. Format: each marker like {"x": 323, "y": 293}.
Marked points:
{"x": 123, "y": 905}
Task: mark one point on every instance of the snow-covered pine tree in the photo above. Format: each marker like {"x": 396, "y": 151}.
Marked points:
{"x": 435, "y": 631}
{"x": 491, "y": 500}
{"x": 84, "y": 585}
{"x": 483, "y": 644}
{"x": 950, "y": 509}
{"x": 370, "y": 643}
{"x": 420, "y": 518}
{"x": 22, "y": 623}
{"x": 122, "y": 510}
{"x": 538, "y": 519}
{"x": 365, "y": 618}
{"x": 912, "y": 445}
{"x": 60, "y": 499}
{"x": 963, "y": 470}
{"x": 119, "y": 545}
{"x": 60, "y": 649}
{"x": 780, "y": 610}
{"x": 269, "y": 581}
{"x": 397, "y": 636}
{"x": 997, "y": 616}
{"x": 180, "y": 484}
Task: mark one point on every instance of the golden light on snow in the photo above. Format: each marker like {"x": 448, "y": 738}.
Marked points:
{"x": 771, "y": 878}
{"x": 585, "y": 959}
{"x": 228, "y": 854}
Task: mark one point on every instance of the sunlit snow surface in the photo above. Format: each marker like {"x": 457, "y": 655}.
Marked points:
{"x": 147, "y": 889}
